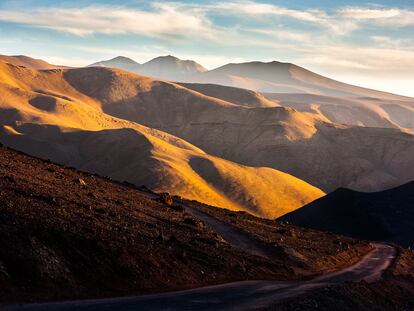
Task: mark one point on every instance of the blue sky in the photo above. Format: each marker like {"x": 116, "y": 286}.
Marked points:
{"x": 365, "y": 43}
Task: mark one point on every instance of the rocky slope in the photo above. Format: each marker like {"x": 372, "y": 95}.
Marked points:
{"x": 66, "y": 234}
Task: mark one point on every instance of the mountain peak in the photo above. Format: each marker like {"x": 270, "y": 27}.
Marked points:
{"x": 168, "y": 57}
{"x": 123, "y": 59}
{"x": 171, "y": 68}
{"x": 120, "y": 62}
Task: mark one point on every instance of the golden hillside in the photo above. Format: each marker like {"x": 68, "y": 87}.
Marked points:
{"x": 49, "y": 114}
{"x": 306, "y": 145}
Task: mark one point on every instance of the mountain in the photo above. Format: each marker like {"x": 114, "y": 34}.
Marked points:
{"x": 63, "y": 115}
{"x": 277, "y": 77}
{"x": 270, "y": 77}
{"x": 382, "y": 216}
{"x": 359, "y": 111}
{"x": 287, "y": 84}
{"x": 29, "y": 62}
{"x": 171, "y": 68}
{"x": 119, "y": 62}
{"x": 305, "y": 145}
{"x": 162, "y": 67}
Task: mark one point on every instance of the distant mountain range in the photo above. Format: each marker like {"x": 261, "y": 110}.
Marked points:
{"x": 271, "y": 77}
{"x": 288, "y": 84}
{"x": 382, "y": 216}
{"x": 221, "y": 145}
{"x": 162, "y": 67}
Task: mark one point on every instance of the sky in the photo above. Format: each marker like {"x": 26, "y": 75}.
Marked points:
{"x": 369, "y": 44}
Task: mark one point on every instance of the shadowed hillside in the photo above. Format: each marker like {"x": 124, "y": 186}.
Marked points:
{"x": 385, "y": 216}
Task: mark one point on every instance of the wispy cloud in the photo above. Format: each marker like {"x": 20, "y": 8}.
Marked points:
{"x": 162, "y": 21}
{"x": 368, "y": 13}
{"x": 372, "y": 61}
{"x": 176, "y": 19}
{"x": 385, "y": 16}
{"x": 312, "y": 16}
{"x": 388, "y": 42}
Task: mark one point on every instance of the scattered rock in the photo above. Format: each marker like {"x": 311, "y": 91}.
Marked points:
{"x": 3, "y": 272}
{"x": 165, "y": 198}
{"x": 169, "y": 239}
{"x": 91, "y": 194}
{"x": 177, "y": 207}
{"x": 193, "y": 222}
{"x": 145, "y": 189}
{"x": 172, "y": 239}
{"x": 190, "y": 221}
{"x": 9, "y": 179}
{"x": 282, "y": 231}
{"x": 99, "y": 210}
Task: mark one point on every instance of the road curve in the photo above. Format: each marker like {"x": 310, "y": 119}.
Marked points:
{"x": 232, "y": 296}
{"x": 234, "y": 236}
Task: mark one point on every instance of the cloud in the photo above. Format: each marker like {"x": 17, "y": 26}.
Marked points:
{"x": 163, "y": 20}
{"x": 367, "y": 13}
{"x": 174, "y": 20}
{"x": 283, "y": 34}
{"x": 387, "y": 42}
{"x": 359, "y": 60}
{"x": 341, "y": 21}
{"x": 311, "y": 16}
{"x": 384, "y": 16}
{"x": 254, "y": 8}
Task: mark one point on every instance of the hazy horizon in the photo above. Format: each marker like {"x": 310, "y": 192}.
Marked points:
{"x": 361, "y": 43}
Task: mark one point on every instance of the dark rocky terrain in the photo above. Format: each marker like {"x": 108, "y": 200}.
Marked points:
{"x": 65, "y": 234}
{"x": 383, "y": 216}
